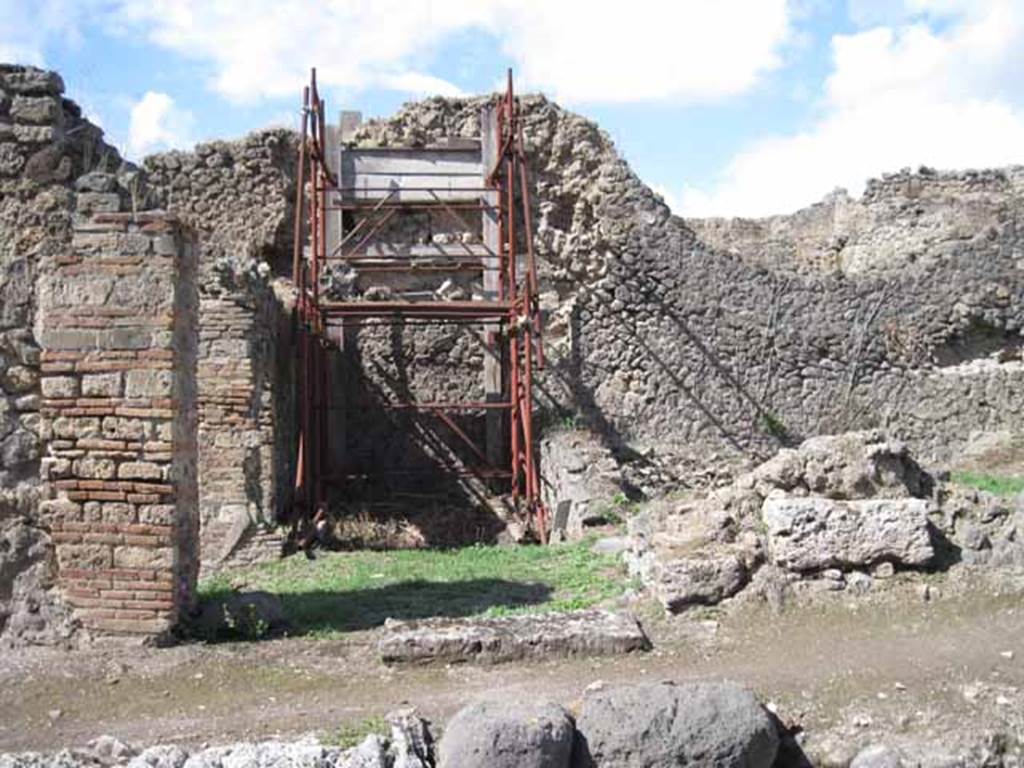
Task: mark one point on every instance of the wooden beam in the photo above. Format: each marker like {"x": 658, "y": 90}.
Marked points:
{"x": 494, "y": 423}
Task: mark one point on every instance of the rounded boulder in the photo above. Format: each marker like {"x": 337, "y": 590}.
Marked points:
{"x": 503, "y": 734}
{"x": 657, "y": 725}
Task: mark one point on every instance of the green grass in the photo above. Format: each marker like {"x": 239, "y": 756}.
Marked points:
{"x": 996, "y": 484}
{"x": 352, "y": 734}
{"x": 348, "y": 591}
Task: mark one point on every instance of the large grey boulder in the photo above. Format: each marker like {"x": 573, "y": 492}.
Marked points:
{"x": 507, "y": 734}
{"x": 813, "y": 533}
{"x": 852, "y": 465}
{"x": 658, "y": 725}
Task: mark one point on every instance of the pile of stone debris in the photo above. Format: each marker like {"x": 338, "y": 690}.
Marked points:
{"x": 649, "y": 725}
{"x": 836, "y": 513}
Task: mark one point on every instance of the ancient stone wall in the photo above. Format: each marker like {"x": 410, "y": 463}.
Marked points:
{"x": 903, "y": 221}
{"x": 118, "y": 326}
{"x": 45, "y": 144}
{"x": 695, "y": 347}
{"x": 238, "y": 197}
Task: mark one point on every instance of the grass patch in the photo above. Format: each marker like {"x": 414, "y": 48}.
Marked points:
{"x": 1000, "y": 485}
{"x": 352, "y": 734}
{"x": 348, "y": 591}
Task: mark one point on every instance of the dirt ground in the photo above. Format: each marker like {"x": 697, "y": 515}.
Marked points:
{"x": 842, "y": 666}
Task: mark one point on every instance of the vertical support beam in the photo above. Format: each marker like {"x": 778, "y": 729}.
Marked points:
{"x": 493, "y": 385}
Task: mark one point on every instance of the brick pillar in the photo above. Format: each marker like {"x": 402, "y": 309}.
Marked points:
{"x": 117, "y": 325}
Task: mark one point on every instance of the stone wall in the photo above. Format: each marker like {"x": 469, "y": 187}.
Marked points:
{"x": 45, "y": 145}
{"x": 117, "y": 323}
{"x": 238, "y": 198}
{"x": 693, "y": 348}
{"x": 903, "y": 221}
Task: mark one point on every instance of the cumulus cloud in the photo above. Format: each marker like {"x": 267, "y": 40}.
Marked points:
{"x": 940, "y": 87}
{"x": 158, "y": 123}
{"x": 578, "y": 50}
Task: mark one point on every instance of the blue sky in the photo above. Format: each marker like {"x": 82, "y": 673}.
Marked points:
{"x": 726, "y": 107}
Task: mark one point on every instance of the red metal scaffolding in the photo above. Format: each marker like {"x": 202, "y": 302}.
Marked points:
{"x": 509, "y": 316}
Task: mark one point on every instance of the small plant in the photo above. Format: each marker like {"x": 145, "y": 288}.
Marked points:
{"x": 352, "y": 734}
{"x": 249, "y": 625}
{"x": 994, "y": 484}
{"x": 773, "y": 425}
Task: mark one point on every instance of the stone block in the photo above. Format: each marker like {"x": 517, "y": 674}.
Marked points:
{"x": 60, "y": 386}
{"x": 28, "y": 402}
{"x": 165, "y": 245}
{"x": 126, "y": 338}
{"x": 814, "y": 533}
{"x": 592, "y": 633}
{"x": 118, "y": 427}
{"x": 36, "y": 109}
{"x": 140, "y": 470}
{"x": 52, "y": 511}
{"x": 96, "y": 181}
{"x": 18, "y": 379}
{"x": 116, "y": 512}
{"x": 99, "y": 202}
{"x": 157, "y": 514}
{"x": 61, "y": 339}
{"x": 31, "y": 80}
{"x": 145, "y": 383}
{"x": 73, "y": 427}
{"x": 92, "y": 468}
{"x": 102, "y": 385}
{"x": 19, "y": 447}
{"x": 34, "y": 134}
{"x": 86, "y": 556}
{"x": 12, "y": 159}
{"x": 143, "y": 557}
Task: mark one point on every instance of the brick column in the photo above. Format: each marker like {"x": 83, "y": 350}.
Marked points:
{"x": 117, "y": 325}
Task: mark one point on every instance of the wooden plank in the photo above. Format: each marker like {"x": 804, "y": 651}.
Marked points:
{"x": 494, "y": 431}
{"x": 429, "y": 162}
{"x": 434, "y": 250}
{"x": 404, "y": 195}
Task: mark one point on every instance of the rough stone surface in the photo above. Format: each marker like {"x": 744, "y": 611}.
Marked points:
{"x": 855, "y": 465}
{"x": 813, "y": 533}
{"x": 582, "y": 481}
{"x": 507, "y": 734}
{"x": 693, "y": 724}
{"x": 582, "y": 633}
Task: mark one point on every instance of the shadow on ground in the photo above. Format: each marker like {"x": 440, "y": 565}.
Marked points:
{"x": 315, "y": 612}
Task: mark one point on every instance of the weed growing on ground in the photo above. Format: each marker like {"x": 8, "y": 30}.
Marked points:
{"x": 349, "y": 591}
{"x": 352, "y": 734}
{"x": 996, "y": 484}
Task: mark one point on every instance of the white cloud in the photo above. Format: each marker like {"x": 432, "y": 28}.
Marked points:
{"x": 578, "y": 50}
{"x": 898, "y": 96}
{"x": 26, "y": 27}
{"x": 158, "y": 123}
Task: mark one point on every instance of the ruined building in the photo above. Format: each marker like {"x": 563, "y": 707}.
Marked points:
{"x": 148, "y": 414}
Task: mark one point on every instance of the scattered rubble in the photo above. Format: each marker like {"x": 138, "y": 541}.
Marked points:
{"x": 834, "y": 514}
